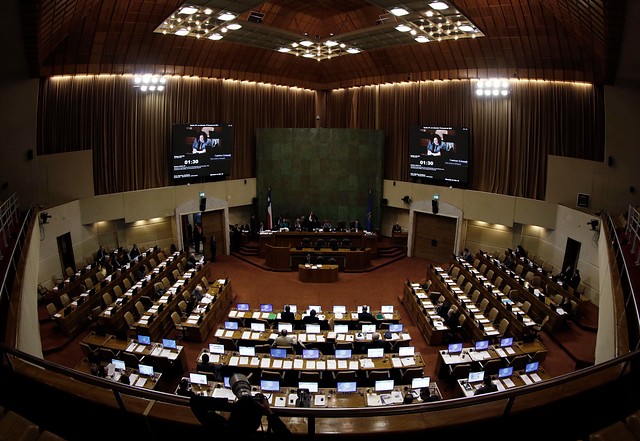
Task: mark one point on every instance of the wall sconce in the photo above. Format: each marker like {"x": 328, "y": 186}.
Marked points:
{"x": 406, "y": 200}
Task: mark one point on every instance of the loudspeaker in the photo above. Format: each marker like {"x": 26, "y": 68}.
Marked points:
{"x": 434, "y": 206}
{"x": 203, "y": 203}
{"x": 385, "y": 202}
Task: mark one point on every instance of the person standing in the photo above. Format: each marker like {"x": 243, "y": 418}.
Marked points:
{"x": 197, "y": 238}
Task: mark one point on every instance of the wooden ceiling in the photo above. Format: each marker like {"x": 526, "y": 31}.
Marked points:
{"x": 569, "y": 40}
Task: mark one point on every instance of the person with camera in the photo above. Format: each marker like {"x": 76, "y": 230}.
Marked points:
{"x": 245, "y": 418}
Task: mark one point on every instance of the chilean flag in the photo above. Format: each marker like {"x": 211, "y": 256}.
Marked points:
{"x": 269, "y": 212}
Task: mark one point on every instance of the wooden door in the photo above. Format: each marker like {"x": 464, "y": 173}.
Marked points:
{"x": 213, "y": 225}
{"x": 434, "y": 237}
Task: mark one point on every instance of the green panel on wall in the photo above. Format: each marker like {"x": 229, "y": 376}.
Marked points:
{"x": 327, "y": 171}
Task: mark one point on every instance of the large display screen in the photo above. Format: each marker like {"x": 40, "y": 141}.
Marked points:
{"x": 201, "y": 151}
{"x": 439, "y": 155}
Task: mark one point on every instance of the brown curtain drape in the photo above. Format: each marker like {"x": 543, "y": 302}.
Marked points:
{"x": 129, "y": 132}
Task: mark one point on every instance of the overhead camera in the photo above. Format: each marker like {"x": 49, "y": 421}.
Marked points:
{"x": 406, "y": 200}
{"x": 44, "y": 217}
{"x": 594, "y": 224}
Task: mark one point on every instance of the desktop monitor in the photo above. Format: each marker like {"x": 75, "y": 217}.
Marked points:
{"x": 474, "y": 377}
{"x": 482, "y": 345}
{"x": 270, "y": 385}
{"x": 395, "y": 327}
{"x": 455, "y": 348}
{"x": 266, "y": 307}
{"x": 293, "y": 308}
{"x": 145, "y": 370}
{"x": 278, "y": 353}
{"x": 384, "y": 385}
{"x": 406, "y": 351}
{"x": 339, "y": 309}
{"x": 375, "y": 352}
{"x": 118, "y": 364}
{"x": 386, "y": 309}
{"x": 287, "y": 326}
{"x": 360, "y": 307}
{"x": 341, "y": 329}
{"x": 169, "y": 343}
{"x": 313, "y": 328}
{"x": 309, "y": 385}
{"x": 347, "y": 387}
{"x": 311, "y": 354}
{"x": 258, "y": 327}
{"x": 531, "y": 367}
{"x": 216, "y": 348}
{"x": 248, "y": 351}
{"x": 506, "y": 342}
{"x": 242, "y": 307}
{"x": 198, "y": 378}
{"x": 343, "y": 353}
{"x": 144, "y": 339}
{"x": 232, "y": 326}
{"x": 369, "y": 329}
{"x": 505, "y": 372}
{"x": 419, "y": 383}
{"x": 317, "y": 308}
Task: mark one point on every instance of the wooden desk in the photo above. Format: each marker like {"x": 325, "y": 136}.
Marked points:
{"x": 149, "y": 383}
{"x": 423, "y": 311}
{"x": 292, "y": 239}
{"x": 318, "y": 273}
{"x": 201, "y": 321}
{"x": 519, "y": 378}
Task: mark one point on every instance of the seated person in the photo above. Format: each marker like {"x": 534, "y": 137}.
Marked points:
{"x": 184, "y": 389}
{"x": 124, "y": 378}
{"x": 287, "y": 316}
{"x": 286, "y": 340}
{"x": 376, "y": 342}
{"x": 426, "y": 395}
{"x": 435, "y": 146}
{"x": 575, "y": 280}
{"x": 366, "y": 316}
{"x": 467, "y": 256}
{"x": 487, "y": 386}
{"x": 311, "y": 318}
{"x": 205, "y": 366}
{"x": 452, "y": 320}
{"x": 442, "y": 308}
{"x": 396, "y": 228}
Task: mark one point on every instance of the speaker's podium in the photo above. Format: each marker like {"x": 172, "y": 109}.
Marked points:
{"x": 277, "y": 258}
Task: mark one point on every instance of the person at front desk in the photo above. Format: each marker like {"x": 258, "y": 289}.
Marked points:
{"x": 487, "y": 386}
{"x": 287, "y": 316}
{"x": 366, "y": 316}
{"x": 396, "y": 228}
{"x": 312, "y": 318}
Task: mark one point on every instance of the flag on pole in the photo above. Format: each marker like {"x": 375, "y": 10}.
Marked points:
{"x": 370, "y": 212}
{"x": 269, "y": 212}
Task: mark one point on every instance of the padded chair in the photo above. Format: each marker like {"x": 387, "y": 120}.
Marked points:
{"x": 519, "y": 269}
{"x": 131, "y": 322}
{"x": 491, "y": 366}
{"x": 69, "y": 271}
{"x": 127, "y": 283}
{"x": 373, "y": 376}
{"x": 158, "y": 286}
{"x": 483, "y": 268}
{"x": 529, "y": 276}
{"x": 228, "y": 343}
{"x": 346, "y": 243}
{"x": 131, "y": 360}
{"x": 52, "y": 310}
{"x": 506, "y": 290}
{"x": 153, "y": 262}
{"x": 558, "y": 298}
{"x": 457, "y": 371}
{"x": 263, "y": 349}
{"x": 408, "y": 374}
{"x": 320, "y": 243}
{"x": 475, "y": 296}
{"x": 343, "y": 345}
{"x": 88, "y": 283}
{"x": 272, "y": 375}
{"x": 205, "y": 283}
{"x": 106, "y": 354}
{"x": 140, "y": 308}
{"x": 99, "y": 276}
{"x": 467, "y": 288}
{"x": 498, "y": 282}
{"x": 484, "y": 304}
{"x": 106, "y": 298}
{"x": 454, "y": 271}
{"x": 490, "y": 275}
{"x": 526, "y": 306}
{"x": 117, "y": 291}
{"x": 310, "y": 376}
{"x": 538, "y": 356}
{"x": 91, "y": 355}
{"x": 64, "y": 299}
{"x": 503, "y": 327}
{"x": 177, "y": 323}
{"x": 344, "y": 376}
{"x": 14, "y": 426}
{"x": 305, "y": 242}
{"x": 518, "y": 362}
{"x": 166, "y": 283}
{"x": 182, "y": 305}
{"x": 333, "y": 244}
{"x": 476, "y": 263}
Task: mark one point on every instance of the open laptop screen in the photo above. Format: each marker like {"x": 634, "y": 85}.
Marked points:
{"x": 242, "y": 306}
{"x": 247, "y": 351}
{"x": 531, "y": 367}
{"x": 278, "y": 353}
{"x": 197, "y": 378}
{"x": 232, "y": 326}
{"x": 386, "y": 309}
{"x": 419, "y": 383}
{"x": 339, "y": 309}
{"x": 293, "y": 308}
{"x": 482, "y": 345}
{"x": 309, "y": 385}
{"x": 406, "y": 351}
{"x": 341, "y": 329}
{"x": 505, "y": 372}
{"x": 169, "y": 343}
{"x": 369, "y": 329}
{"x": 360, "y": 307}
{"x": 317, "y": 308}
{"x": 506, "y": 342}
{"x": 310, "y": 354}
{"x": 347, "y": 387}
{"x": 395, "y": 327}
{"x": 118, "y": 364}
{"x": 287, "y": 326}
{"x": 145, "y": 370}
{"x": 375, "y": 352}
{"x": 216, "y": 348}
{"x": 266, "y": 307}
{"x": 270, "y": 385}
{"x": 144, "y": 339}
{"x": 474, "y": 377}
{"x": 313, "y": 328}
{"x": 455, "y": 348}
{"x": 258, "y": 327}
{"x": 343, "y": 353}
{"x": 384, "y": 385}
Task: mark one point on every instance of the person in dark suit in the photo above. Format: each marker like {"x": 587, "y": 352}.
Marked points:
{"x": 184, "y": 389}
{"x": 287, "y": 316}
{"x": 452, "y": 320}
{"x": 487, "y": 386}
{"x": 311, "y": 318}
{"x": 426, "y": 395}
{"x": 135, "y": 252}
{"x": 206, "y": 366}
{"x": 396, "y": 228}
{"x": 213, "y": 248}
{"x": 376, "y": 342}
{"x": 575, "y": 280}
{"x": 101, "y": 254}
{"x": 366, "y": 316}
{"x": 124, "y": 378}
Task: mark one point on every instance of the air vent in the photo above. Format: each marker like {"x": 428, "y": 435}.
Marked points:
{"x": 256, "y": 17}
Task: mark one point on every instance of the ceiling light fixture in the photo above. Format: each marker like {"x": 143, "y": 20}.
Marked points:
{"x": 493, "y": 87}
{"x": 439, "y": 6}
{"x": 149, "y": 82}
{"x": 226, "y": 16}
{"x": 399, "y": 12}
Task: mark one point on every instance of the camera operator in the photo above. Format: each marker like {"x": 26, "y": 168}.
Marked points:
{"x": 245, "y": 418}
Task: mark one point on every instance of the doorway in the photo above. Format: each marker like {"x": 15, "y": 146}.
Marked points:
{"x": 571, "y": 255}
{"x": 434, "y": 237}
{"x": 65, "y": 251}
